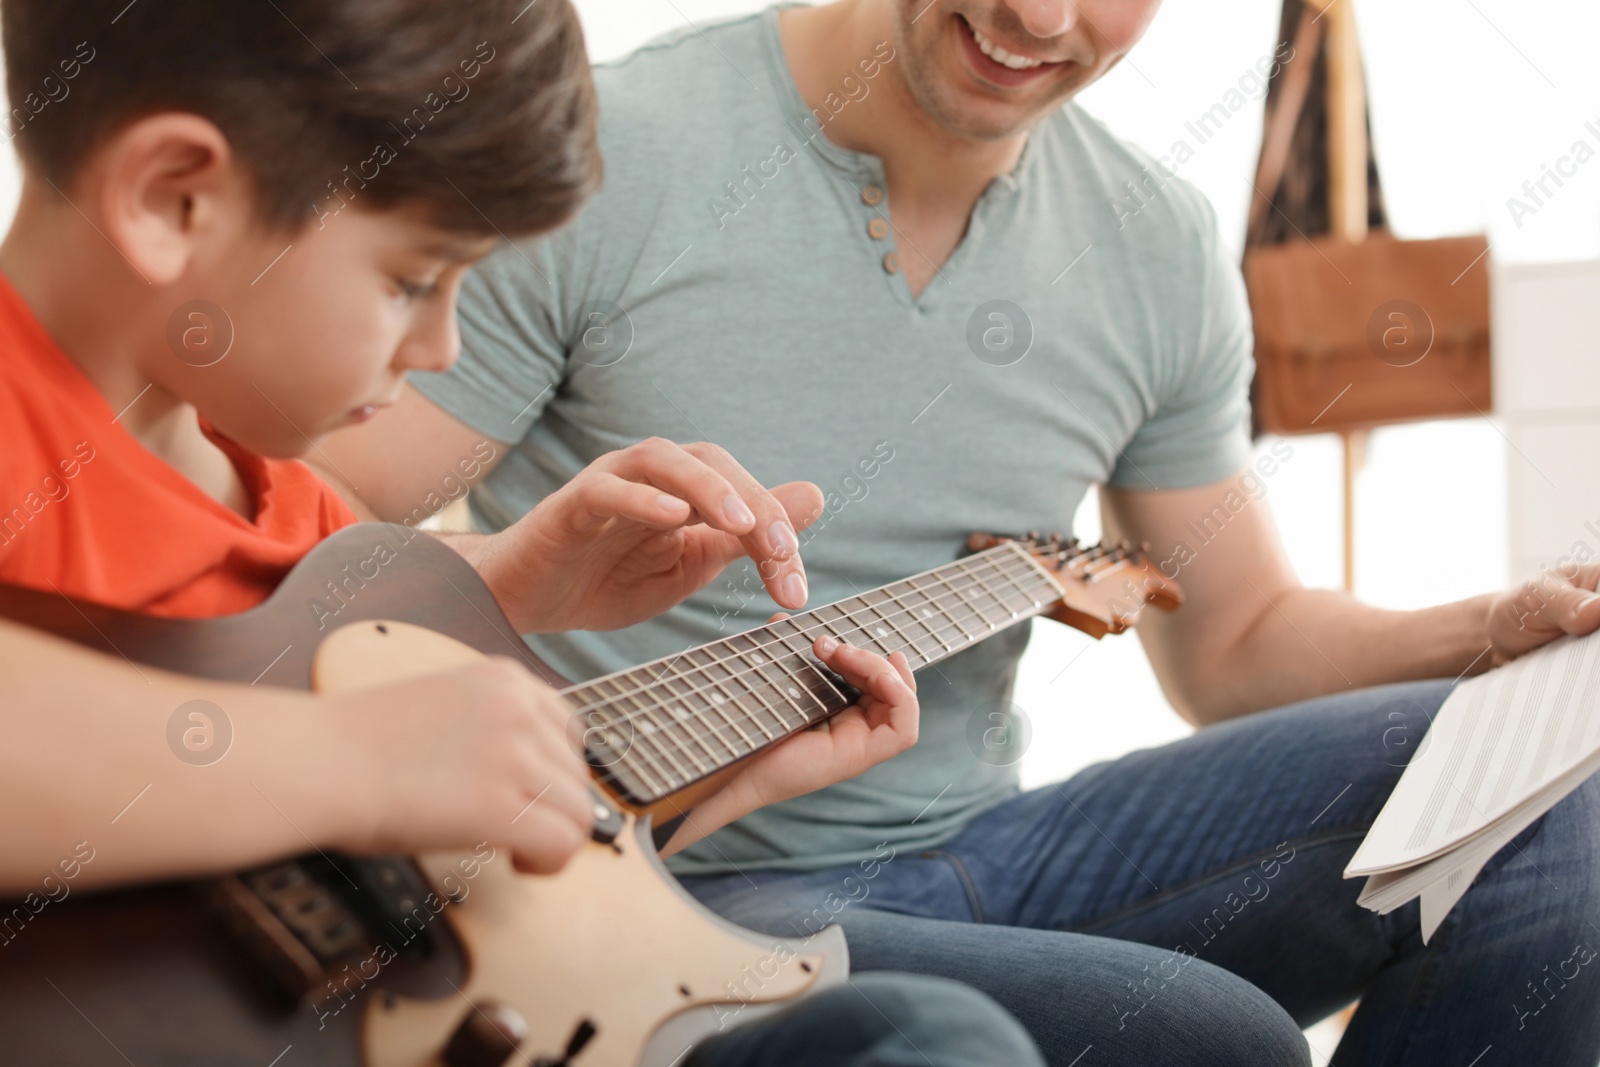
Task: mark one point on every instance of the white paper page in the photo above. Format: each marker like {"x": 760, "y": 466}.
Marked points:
{"x": 1499, "y": 740}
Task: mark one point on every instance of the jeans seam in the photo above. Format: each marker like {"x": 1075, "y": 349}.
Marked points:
{"x": 1162, "y": 896}
{"x": 1423, "y": 989}
{"x": 973, "y": 901}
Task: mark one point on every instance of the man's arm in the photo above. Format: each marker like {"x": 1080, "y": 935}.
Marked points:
{"x": 407, "y": 463}
{"x": 1250, "y": 636}
{"x": 630, "y": 536}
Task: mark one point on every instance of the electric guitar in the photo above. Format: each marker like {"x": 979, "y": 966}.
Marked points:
{"x": 456, "y": 959}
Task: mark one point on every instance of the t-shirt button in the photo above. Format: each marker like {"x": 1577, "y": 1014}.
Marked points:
{"x": 871, "y": 195}
{"x": 878, "y": 228}
{"x": 891, "y": 262}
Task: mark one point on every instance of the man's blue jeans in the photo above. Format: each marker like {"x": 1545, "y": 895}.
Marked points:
{"x": 1185, "y": 905}
{"x": 878, "y": 1020}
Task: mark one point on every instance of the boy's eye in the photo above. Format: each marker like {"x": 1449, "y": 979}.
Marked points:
{"x": 416, "y": 290}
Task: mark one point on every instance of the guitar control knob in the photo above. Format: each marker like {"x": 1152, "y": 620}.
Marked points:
{"x": 487, "y": 1037}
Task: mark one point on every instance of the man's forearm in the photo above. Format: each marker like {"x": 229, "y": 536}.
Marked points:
{"x": 1308, "y": 642}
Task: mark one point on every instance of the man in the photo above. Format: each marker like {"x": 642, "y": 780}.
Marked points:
{"x": 872, "y": 244}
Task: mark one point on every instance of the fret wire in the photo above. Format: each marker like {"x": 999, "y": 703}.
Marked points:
{"x": 809, "y": 666}
{"x": 714, "y": 702}
{"x": 717, "y": 698}
{"x": 1044, "y": 585}
{"x": 895, "y": 600}
{"x": 995, "y": 571}
{"x": 733, "y": 696}
{"x": 991, "y": 578}
{"x": 846, "y": 632}
{"x": 1030, "y": 592}
{"x": 696, "y": 714}
{"x": 655, "y": 706}
{"x": 662, "y": 721}
{"x": 881, "y": 628}
{"x": 866, "y": 624}
{"x": 830, "y": 626}
{"x": 964, "y": 602}
{"x": 653, "y": 779}
{"x": 793, "y": 692}
{"x": 953, "y": 591}
{"x": 684, "y": 722}
{"x": 988, "y": 589}
{"x": 675, "y": 772}
{"x": 1029, "y": 600}
{"x": 744, "y": 654}
{"x": 888, "y": 618}
{"x": 931, "y": 609}
{"x": 789, "y": 692}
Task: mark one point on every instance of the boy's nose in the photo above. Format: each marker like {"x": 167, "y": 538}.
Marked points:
{"x": 433, "y": 343}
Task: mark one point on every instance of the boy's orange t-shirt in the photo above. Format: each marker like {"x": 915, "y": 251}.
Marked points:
{"x": 87, "y": 511}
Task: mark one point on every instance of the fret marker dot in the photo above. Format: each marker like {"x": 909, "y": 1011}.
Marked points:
{"x": 680, "y": 713}
{"x": 927, "y": 613}
{"x": 755, "y": 657}
{"x": 882, "y": 632}
{"x": 718, "y": 698}
{"x": 793, "y": 691}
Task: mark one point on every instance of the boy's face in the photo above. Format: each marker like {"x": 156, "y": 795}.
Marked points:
{"x": 287, "y": 337}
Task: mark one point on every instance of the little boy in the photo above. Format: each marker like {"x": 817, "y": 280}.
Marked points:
{"x": 241, "y": 225}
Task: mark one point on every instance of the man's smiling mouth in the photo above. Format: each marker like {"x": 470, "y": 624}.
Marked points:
{"x": 1000, "y": 55}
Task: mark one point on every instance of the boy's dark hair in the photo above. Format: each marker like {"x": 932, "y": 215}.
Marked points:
{"x": 481, "y": 113}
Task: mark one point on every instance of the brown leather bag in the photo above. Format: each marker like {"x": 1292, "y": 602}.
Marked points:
{"x": 1351, "y": 335}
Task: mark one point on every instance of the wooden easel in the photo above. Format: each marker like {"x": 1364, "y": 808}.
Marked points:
{"x": 1347, "y": 200}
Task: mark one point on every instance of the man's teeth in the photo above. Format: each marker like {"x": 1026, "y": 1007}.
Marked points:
{"x": 1000, "y": 55}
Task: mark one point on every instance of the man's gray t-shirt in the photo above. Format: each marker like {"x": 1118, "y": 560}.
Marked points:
{"x": 1087, "y": 330}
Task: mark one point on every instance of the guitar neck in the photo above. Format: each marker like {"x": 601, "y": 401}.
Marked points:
{"x": 656, "y": 728}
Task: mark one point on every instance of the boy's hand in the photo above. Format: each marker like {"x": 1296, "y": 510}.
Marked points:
{"x": 638, "y": 530}
{"x": 475, "y": 753}
{"x": 880, "y": 726}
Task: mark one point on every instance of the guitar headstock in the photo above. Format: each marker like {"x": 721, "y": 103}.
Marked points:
{"x": 1104, "y": 587}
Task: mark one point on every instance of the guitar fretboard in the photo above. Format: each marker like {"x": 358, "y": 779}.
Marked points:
{"x": 655, "y": 728}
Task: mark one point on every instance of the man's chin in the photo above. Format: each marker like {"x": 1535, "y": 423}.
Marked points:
{"x": 970, "y": 118}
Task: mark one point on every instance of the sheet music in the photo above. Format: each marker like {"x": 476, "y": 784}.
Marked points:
{"x": 1504, "y": 748}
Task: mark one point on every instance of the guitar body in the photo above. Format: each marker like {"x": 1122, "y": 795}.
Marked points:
{"x": 611, "y": 950}
{"x": 457, "y": 960}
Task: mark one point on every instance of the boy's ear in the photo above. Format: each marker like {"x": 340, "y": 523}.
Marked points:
{"x": 168, "y": 182}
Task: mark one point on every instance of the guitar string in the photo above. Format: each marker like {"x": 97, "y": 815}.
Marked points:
{"x": 999, "y": 568}
{"x": 1088, "y": 557}
{"x": 667, "y": 751}
{"x": 712, "y": 730}
{"x": 949, "y": 591}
